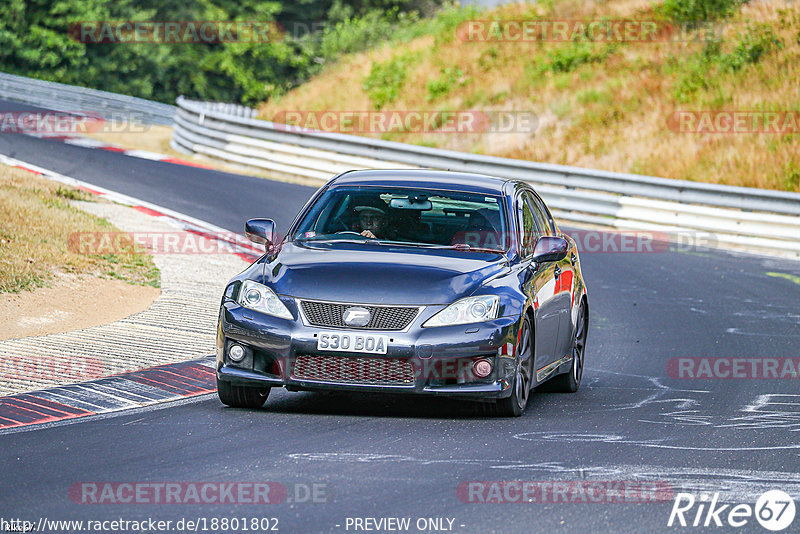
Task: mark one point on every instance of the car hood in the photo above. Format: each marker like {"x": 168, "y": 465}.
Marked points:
{"x": 378, "y": 274}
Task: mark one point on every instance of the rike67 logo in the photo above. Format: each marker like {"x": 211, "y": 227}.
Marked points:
{"x": 774, "y": 510}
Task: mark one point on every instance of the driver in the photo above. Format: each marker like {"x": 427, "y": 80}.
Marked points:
{"x": 372, "y": 221}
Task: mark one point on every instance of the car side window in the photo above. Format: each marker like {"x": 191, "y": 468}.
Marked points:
{"x": 528, "y": 229}
{"x": 543, "y": 217}
{"x": 553, "y": 227}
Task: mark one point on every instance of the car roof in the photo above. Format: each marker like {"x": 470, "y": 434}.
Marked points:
{"x": 424, "y": 178}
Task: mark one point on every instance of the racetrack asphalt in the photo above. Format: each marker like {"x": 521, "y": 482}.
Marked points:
{"x": 385, "y": 456}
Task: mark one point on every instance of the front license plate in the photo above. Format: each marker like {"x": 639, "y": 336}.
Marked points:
{"x": 352, "y": 342}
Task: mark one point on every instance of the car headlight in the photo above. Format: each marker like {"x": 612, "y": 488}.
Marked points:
{"x": 259, "y": 297}
{"x": 468, "y": 310}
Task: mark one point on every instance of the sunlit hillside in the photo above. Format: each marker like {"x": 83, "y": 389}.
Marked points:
{"x": 608, "y": 105}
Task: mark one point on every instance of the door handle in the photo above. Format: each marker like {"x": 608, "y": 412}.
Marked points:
{"x": 557, "y": 271}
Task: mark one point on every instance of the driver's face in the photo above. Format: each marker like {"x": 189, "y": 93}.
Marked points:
{"x": 374, "y": 222}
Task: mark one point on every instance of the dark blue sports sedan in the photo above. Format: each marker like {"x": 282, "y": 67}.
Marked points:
{"x": 408, "y": 281}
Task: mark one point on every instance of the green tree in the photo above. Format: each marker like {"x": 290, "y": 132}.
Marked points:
{"x": 36, "y": 41}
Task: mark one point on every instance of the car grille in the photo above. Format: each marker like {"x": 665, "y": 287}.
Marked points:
{"x": 383, "y": 317}
{"x": 354, "y": 370}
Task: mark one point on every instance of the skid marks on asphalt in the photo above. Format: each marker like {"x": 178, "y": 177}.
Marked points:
{"x": 656, "y": 392}
{"x": 713, "y": 428}
{"x": 697, "y": 441}
{"x": 768, "y": 411}
{"x": 734, "y": 485}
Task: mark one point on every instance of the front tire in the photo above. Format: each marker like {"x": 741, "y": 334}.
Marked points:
{"x": 514, "y": 405}
{"x": 241, "y": 396}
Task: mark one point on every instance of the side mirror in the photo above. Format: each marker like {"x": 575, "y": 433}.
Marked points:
{"x": 261, "y": 231}
{"x": 550, "y": 248}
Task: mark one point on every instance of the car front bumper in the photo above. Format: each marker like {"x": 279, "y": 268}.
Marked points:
{"x": 438, "y": 360}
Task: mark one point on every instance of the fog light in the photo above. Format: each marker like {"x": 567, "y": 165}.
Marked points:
{"x": 482, "y": 368}
{"x": 236, "y": 353}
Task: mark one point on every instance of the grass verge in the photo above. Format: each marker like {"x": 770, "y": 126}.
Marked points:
{"x": 36, "y": 222}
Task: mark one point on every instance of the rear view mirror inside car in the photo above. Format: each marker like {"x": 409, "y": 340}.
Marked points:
{"x": 411, "y": 204}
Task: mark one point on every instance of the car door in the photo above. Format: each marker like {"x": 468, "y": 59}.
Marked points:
{"x": 564, "y": 275}
{"x": 542, "y": 285}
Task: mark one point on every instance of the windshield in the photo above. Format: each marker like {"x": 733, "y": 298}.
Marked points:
{"x": 410, "y": 217}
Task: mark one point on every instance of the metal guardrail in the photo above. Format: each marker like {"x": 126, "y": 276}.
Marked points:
{"x": 749, "y": 218}
{"x": 234, "y": 110}
{"x": 738, "y": 217}
{"x": 73, "y": 99}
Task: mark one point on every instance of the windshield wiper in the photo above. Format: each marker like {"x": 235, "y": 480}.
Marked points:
{"x": 403, "y": 243}
{"x": 335, "y": 240}
{"x": 372, "y": 241}
{"x": 467, "y": 248}
{"x": 459, "y": 246}
{"x": 368, "y": 240}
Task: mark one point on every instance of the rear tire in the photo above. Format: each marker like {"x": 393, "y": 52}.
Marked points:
{"x": 514, "y": 405}
{"x": 569, "y": 382}
{"x": 241, "y": 396}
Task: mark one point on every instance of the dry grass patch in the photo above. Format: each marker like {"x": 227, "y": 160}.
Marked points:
{"x": 36, "y": 222}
